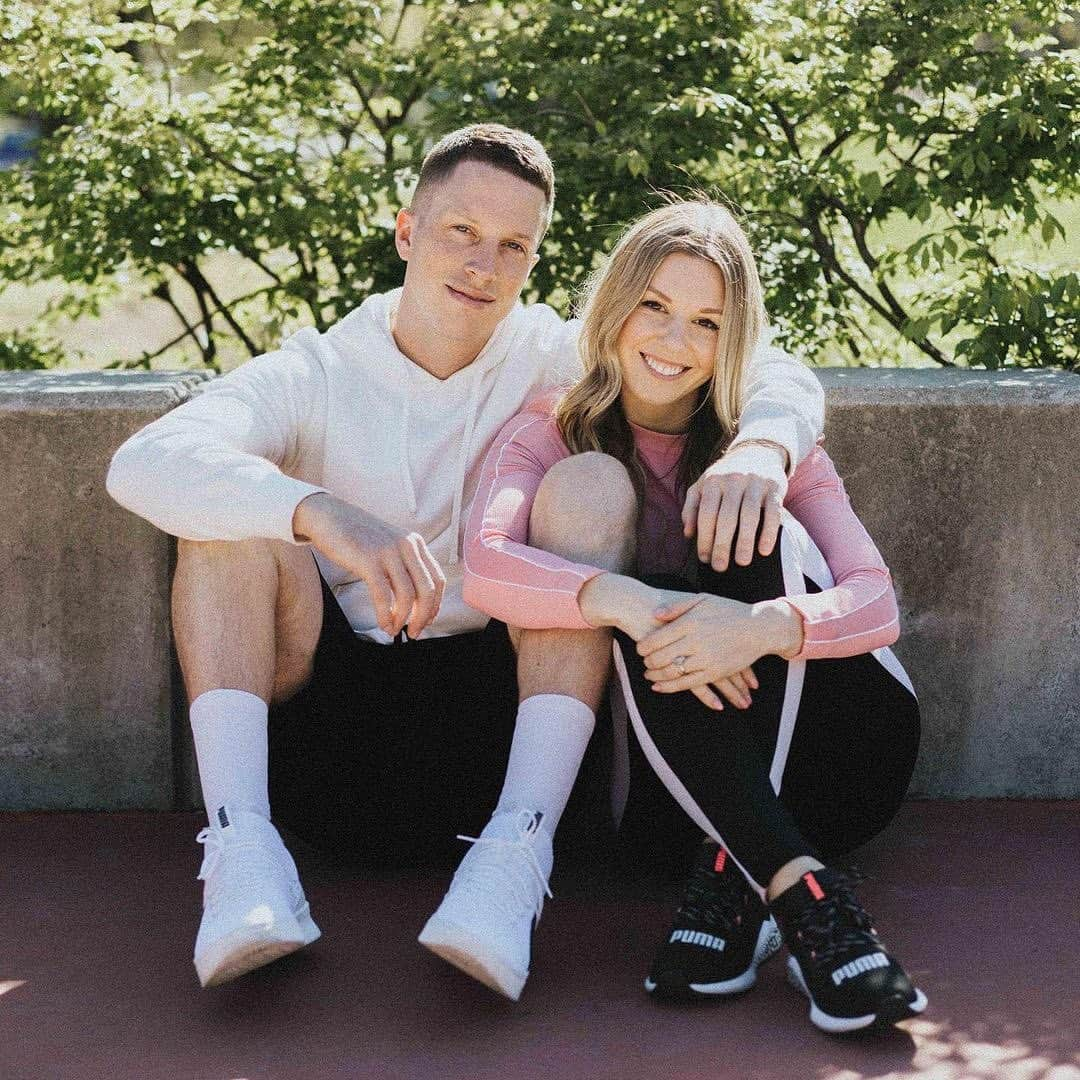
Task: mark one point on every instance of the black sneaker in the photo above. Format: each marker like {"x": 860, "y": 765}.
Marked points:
{"x": 720, "y": 934}
{"x": 837, "y": 959}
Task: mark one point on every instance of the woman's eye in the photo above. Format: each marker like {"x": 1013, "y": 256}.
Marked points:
{"x": 652, "y": 305}
{"x": 461, "y": 228}
{"x": 708, "y": 324}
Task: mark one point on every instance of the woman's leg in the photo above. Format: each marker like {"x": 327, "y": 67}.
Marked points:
{"x": 725, "y": 770}
{"x": 836, "y": 739}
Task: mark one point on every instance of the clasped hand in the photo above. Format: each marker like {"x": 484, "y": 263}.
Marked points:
{"x": 705, "y": 641}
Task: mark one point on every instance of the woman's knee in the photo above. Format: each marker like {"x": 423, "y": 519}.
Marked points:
{"x": 586, "y": 509}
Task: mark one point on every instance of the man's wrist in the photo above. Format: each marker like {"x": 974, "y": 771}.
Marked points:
{"x": 781, "y": 626}
{"x": 780, "y": 448}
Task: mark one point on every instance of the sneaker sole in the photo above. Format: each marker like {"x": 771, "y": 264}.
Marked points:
{"x": 468, "y": 953}
{"x": 768, "y": 944}
{"x": 891, "y": 1011}
{"x": 247, "y": 949}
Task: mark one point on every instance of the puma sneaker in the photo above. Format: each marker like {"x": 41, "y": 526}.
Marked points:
{"x": 837, "y": 959}
{"x": 720, "y": 934}
{"x": 485, "y": 922}
{"x": 254, "y": 909}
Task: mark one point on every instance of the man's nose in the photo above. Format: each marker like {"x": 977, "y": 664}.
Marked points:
{"x": 481, "y": 262}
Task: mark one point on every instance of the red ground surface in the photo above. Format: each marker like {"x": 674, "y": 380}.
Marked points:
{"x": 981, "y": 901}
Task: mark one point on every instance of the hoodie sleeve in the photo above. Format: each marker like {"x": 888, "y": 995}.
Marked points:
{"x": 782, "y": 402}
{"x": 504, "y": 577}
{"x": 214, "y": 468}
{"x": 859, "y": 613}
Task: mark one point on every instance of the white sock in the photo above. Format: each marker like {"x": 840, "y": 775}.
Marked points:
{"x": 550, "y": 737}
{"x": 231, "y": 747}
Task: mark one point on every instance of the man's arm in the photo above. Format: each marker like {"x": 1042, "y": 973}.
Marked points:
{"x": 212, "y": 469}
{"x": 783, "y": 404}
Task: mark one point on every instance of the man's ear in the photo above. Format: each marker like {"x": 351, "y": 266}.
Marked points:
{"x": 403, "y": 229}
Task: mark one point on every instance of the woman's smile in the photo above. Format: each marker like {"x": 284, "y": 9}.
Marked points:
{"x": 661, "y": 369}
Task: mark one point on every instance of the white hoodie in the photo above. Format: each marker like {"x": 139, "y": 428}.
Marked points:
{"x": 347, "y": 412}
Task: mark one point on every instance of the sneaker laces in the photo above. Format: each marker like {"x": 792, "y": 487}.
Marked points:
{"x": 835, "y": 926}
{"x": 498, "y": 862}
{"x": 214, "y": 848}
{"x": 712, "y": 900}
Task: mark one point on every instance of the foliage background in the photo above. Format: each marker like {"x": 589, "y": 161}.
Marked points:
{"x": 907, "y": 170}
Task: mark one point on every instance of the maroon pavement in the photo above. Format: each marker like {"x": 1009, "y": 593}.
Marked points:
{"x": 980, "y": 900}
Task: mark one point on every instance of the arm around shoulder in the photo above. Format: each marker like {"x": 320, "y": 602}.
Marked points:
{"x": 783, "y": 404}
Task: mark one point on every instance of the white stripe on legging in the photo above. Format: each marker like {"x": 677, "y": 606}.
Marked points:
{"x": 817, "y": 570}
{"x": 798, "y": 555}
{"x": 663, "y": 769}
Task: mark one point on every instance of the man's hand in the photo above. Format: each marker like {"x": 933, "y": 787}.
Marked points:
{"x": 405, "y": 581}
{"x": 732, "y": 495}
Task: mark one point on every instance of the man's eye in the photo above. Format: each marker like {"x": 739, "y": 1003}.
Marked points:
{"x": 461, "y": 228}
{"x": 516, "y": 246}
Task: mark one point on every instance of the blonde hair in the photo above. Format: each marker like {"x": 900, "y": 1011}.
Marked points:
{"x": 590, "y": 416}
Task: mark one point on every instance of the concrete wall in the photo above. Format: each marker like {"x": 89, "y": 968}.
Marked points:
{"x": 967, "y": 481}
{"x": 85, "y": 675}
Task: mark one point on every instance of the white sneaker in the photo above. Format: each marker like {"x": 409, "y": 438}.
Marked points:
{"x": 484, "y": 924}
{"x": 254, "y": 909}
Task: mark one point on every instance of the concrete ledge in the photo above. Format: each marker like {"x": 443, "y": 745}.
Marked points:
{"x": 85, "y": 676}
{"x": 967, "y": 481}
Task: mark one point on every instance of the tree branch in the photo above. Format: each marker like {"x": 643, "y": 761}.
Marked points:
{"x": 788, "y": 128}
{"x": 147, "y": 357}
{"x": 195, "y": 274}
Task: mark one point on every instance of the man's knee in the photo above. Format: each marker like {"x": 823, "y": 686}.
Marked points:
{"x": 585, "y": 508}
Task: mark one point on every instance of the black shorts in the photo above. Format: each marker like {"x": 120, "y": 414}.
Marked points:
{"x": 390, "y": 751}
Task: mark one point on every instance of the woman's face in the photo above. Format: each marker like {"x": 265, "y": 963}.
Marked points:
{"x": 667, "y": 346}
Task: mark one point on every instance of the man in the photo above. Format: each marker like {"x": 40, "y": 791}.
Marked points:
{"x": 357, "y": 685}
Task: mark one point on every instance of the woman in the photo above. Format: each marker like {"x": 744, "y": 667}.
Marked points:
{"x": 816, "y": 754}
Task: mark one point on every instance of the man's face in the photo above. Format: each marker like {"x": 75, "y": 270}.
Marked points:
{"x": 469, "y": 243}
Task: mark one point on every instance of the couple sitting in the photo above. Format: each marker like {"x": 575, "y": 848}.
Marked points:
{"x": 367, "y": 694}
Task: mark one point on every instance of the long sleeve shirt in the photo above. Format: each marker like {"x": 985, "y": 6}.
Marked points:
{"x": 527, "y": 587}
{"x": 346, "y": 412}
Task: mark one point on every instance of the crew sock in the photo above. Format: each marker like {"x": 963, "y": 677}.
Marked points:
{"x": 231, "y": 748}
{"x": 550, "y": 737}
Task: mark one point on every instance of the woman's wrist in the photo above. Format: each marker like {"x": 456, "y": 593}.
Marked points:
{"x": 781, "y": 627}
{"x": 611, "y": 599}
{"x": 596, "y": 599}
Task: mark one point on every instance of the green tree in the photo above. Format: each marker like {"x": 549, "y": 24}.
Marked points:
{"x": 884, "y": 154}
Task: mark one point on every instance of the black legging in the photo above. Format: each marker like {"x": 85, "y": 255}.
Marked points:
{"x": 851, "y": 753}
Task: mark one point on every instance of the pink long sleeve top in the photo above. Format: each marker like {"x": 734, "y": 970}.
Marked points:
{"x": 524, "y": 586}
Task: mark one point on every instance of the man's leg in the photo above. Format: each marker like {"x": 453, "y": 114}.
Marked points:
{"x": 585, "y": 510}
{"x": 246, "y": 619}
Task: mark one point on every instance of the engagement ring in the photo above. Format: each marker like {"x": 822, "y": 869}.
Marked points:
{"x": 680, "y": 664}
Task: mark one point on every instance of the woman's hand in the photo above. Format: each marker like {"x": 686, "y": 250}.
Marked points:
{"x": 632, "y": 606}
{"x": 711, "y": 639}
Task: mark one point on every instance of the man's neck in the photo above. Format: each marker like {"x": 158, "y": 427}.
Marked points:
{"x": 436, "y": 353}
